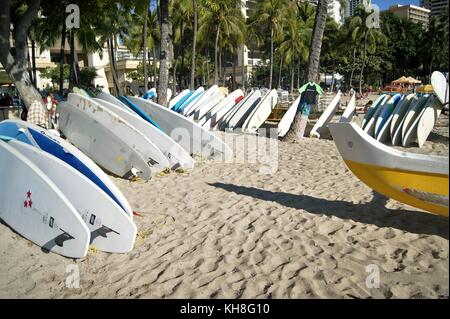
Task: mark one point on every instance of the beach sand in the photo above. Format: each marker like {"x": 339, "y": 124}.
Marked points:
{"x": 230, "y": 230}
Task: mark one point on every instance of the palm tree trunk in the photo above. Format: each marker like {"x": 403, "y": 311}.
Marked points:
{"x": 316, "y": 42}
{"x": 164, "y": 55}
{"x": 271, "y": 58}
{"x": 112, "y": 66}
{"x": 353, "y": 68}
{"x": 364, "y": 64}
{"x": 155, "y": 67}
{"x": 30, "y": 73}
{"x": 33, "y": 61}
{"x": 194, "y": 43}
{"x": 74, "y": 68}
{"x": 243, "y": 68}
{"x": 61, "y": 59}
{"x": 280, "y": 73}
{"x": 216, "y": 62}
{"x": 292, "y": 76}
{"x": 182, "y": 53}
{"x": 297, "y": 130}
{"x": 174, "y": 76}
{"x": 144, "y": 61}
{"x": 332, "y": 75}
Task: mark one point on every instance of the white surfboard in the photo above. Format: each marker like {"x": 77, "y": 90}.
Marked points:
{"x": 226, "y": 104}
{"x": 33, "y": 206}
{"x": 225, "y": 119}
{"x": 207, "y": 106}
{"x": 102, "y": 144}
{"x": 385, "y": 119}
{"x": 411, "y": 133}
{"x": 288, "y": 118}
{"x": 205, "y": 97}
{"x": 216, "y": 119}
{"x": 397, "y": 136}
{"x": 244, "y": 112}
{"x": 350, "y": 110}
{"x": 111, "y": 99}
{"x": 440, "y": 86}
{"x": 169, "y": 94}
{"x": 191, "y": 136}
{"x": 399, "y": 113}
{"x": 411, "y": 115}
{"x": 178, "y": 97}
{"x": 174, "y": 153}
{"x": 373, "y": 108}
{"x": 427, "y": 120}
{"x": 326, "y": 116}
{"x": 261, "y": 112}
{"x": 369, "y": 128}
{"x": 73, "y": 156}
{"x": 194, "y": 97}
{"x": 127, "y": 132}
{"x": 111, "y": 230}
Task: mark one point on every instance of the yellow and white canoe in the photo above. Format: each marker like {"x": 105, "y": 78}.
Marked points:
{"x": 414, "y": 179}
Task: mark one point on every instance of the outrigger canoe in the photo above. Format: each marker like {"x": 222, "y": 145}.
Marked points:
{"x": 414, "y": 179}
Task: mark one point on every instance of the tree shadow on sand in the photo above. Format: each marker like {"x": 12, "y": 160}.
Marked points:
{"x": 373, "y": 212}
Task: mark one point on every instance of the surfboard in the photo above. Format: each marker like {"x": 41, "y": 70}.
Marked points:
{"x": 126, "y": 101}
{"x": 399, "y": 113}
{"x": 216, "y": 115}
{"x": 384, "y": 132}
{"x": 244, "y": 111}
{"x": 370, "y": 126}
{"x": 150, "y": 94}
{"x": 384, "y": 116}
{"x": 427, "y": 120}
{"x": 261, "y": 112}
{"x": 373, "y": 108}
{"x": 226, "y": 103}
{"x": 103, "y": 143}
{"x": 111, "y": 99}
{"x": 33, "y": 206}
{"x": 325, "y": 118}
{"x": 196, "y": 95}
{"x": 411, "y": 115}
{"x": 226, "y": 118}
{"x": 397, "y": 136}
{"x": 192, "y": 107}
{"x": 411, "y": 133}
{"x": 189, "y": 135}
{"x": 111, "y": 230}
{"x": 440, "y": 86}
{"x": 288, "y": 118}
{"x": 177, "y": 98}
{"x": 174, "y": 153}
{"x": 203, "y": 109}
{"x": 349, "y": 111}
{"x": 56, "y": 146}
{"x": 177, "y": 105}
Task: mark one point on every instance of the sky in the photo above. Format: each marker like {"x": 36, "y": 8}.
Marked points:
{"x": 384, "y": 4}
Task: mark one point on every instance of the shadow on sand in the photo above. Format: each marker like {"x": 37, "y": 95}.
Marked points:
{"x": 373, "y": 212}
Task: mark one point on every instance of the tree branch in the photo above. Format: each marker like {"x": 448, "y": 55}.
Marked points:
{"x": 5, "y": 24}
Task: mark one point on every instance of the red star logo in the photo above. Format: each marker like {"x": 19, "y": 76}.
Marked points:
{"x": 28, "y": 194}
{"x": 25, "y": 204}
{"x": 30, "y": 203}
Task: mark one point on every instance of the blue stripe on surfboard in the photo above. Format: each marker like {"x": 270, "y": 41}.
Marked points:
{"x": 182, "y": 107}
{"x": 177, "y": 106}
{"x": 53, "y": 148}
{"x": 11, "y": 130}
{"x": 6, "y": 138}
{"x": 138, "y": 111}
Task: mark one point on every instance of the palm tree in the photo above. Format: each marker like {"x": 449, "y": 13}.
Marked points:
{"x": 194, "y": 44}
{"x": 368, "y": 36}
{"x": 166, "y": 42}
{"x": 271, "y": 12}
{"x": 226, "y": 19}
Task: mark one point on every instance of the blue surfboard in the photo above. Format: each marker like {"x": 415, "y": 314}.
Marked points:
{"x": 138, "y": 111}
{"x": 177, "y": 106}
{"x": 46, "y": 144}
{"x": 185, "y": 105}
{"x": 387, "y": 111}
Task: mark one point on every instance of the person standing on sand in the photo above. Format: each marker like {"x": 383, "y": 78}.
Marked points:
{"x": 37, "y": 114}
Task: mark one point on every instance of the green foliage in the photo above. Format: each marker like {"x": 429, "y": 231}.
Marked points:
{"x": 53, "y": 73}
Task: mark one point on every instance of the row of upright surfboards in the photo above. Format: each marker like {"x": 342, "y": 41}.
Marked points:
{"x": 211, "y": 109}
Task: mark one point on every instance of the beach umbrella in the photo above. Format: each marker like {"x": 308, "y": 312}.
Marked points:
{"x": 413, "y": 80}
{"x": 428, "y": 88}
{"x": 403, "y": 79}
